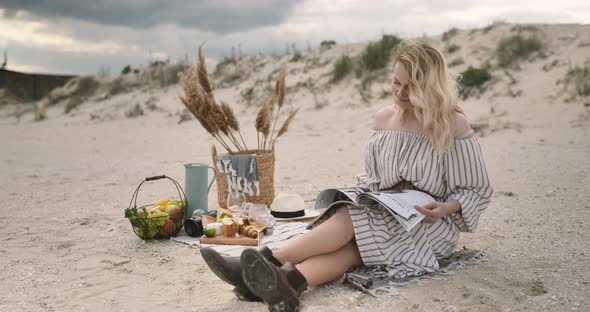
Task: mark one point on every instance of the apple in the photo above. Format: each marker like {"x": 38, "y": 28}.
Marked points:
{"x": 175, "y": 212}
{"x": 168, "y": 228}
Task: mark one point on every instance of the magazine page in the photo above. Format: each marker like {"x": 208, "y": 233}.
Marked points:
{"x": 326, "y": 197}
{"x": 410, "y": 223}
{"x": 402, "y": 202}
{"x": 353, "y": 192}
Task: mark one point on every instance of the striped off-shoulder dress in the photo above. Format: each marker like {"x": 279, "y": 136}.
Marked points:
{"x": 460, "y": 173}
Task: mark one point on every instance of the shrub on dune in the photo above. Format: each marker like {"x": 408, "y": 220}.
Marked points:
{"x": 472, "y": 79}
{"x": 580, "y": 77}
{"x": 516, "y": 48}
{"x": 377, "y": 54}
{"x": 342, "y": 67}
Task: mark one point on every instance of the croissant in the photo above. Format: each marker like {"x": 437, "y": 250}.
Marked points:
{"x": 248, "y": 231}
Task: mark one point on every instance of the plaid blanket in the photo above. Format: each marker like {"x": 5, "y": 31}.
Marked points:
{"x": 371, "y": 281}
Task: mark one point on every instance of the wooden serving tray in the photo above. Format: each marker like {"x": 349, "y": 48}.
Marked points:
{"x": 224, "y": 240}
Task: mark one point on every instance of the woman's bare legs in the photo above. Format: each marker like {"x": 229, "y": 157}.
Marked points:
{"x": 330, "y": 236}
{"x": 330, "y": 266}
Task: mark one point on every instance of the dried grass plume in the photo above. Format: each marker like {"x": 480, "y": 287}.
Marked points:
{"x": 202, "y": 73}
{"x": 232, "y": 121}
{"x": 280, "y": 87}
{"x": 285, "y": 125}
{"x": 220, "y": 121}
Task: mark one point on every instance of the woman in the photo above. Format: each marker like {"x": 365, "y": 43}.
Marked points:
{"x": 423, "y": 141}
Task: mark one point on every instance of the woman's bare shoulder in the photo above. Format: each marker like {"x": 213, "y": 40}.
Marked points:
{"x": 383, "y": 117}
{"x": 461, "y": 124}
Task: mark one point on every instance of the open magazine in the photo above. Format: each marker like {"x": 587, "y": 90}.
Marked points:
{"x": 399, "y": 203}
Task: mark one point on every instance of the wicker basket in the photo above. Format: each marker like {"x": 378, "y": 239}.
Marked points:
{"x": 146, "y": 226}
{"x": 266, "y": 170}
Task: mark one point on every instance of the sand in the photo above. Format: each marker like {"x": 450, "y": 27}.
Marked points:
{"x": 66, "y": 180}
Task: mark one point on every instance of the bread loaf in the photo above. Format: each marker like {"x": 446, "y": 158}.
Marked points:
{"x": 229, "y": 227}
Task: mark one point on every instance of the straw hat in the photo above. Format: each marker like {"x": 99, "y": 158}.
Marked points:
{"x": 291, "y": 207}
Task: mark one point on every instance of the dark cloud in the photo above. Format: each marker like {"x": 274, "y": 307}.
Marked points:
{"x": 72, "y": 36}
{"x": 220, "y": 16}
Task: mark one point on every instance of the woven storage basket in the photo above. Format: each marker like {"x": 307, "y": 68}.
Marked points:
{"x": 266, "y": 170}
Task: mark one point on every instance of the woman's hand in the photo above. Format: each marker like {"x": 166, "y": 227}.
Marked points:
{"x": 434, "y": 211}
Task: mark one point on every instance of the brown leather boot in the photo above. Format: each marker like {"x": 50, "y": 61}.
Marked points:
{"x": 280, "y": 287}
{"x": 229, "y": 270}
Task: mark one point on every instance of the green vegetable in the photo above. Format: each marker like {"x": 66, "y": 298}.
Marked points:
{"x": 133, "y": 216}
{"x": 154, "y": 221}
{"x": 148, "y": 224}
{"x": 158, "y": 218}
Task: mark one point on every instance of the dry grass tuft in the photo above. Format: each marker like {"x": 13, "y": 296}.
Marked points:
{"x": 232, "y": 121}
{"x": 285, "y": 125}
{"x": 220, "y": 120}
{"x": 262, "y": 122}
{"x": 218, "y": 116}
{"x": 280, "y": 88}
{"x": 202, "y": 73}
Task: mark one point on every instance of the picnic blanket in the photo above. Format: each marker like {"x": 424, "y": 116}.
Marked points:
{"x": 361, "y": 277}
{"x": 282, "y": 232}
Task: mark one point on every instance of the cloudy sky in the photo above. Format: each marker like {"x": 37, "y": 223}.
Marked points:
{"x": 83, "y": 37}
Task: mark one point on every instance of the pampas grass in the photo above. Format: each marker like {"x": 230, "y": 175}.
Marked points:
{"x": 202, "y": 73}
{"x": 285, "y": 125}
{"x": 232, "y": 121}
{"x": 280, "y": 87}
{"x": 195, "y": 101}
{"x": 262, "y": 122}
{"x": 280, "y": 96}
{"x": 220, "y": 121}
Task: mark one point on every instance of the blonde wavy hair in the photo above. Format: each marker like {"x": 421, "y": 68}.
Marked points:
{"x": 432, "y": 90}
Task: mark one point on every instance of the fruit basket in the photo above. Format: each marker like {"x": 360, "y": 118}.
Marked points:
{"x": 160, "y": 220}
